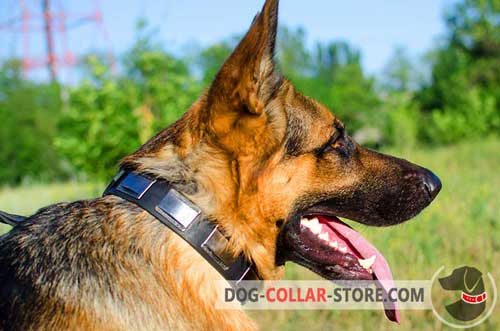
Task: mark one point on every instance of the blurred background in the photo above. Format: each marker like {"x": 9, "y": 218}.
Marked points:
{"x": 84, "y": 83}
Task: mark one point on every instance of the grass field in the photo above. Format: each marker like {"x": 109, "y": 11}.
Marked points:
{"x": 461, "y": 227}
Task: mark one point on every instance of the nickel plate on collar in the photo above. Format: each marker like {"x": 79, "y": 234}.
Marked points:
{"x": 135, "y": 185}
{"x": 216, "y": 246}
{"x": 178, "y": 210}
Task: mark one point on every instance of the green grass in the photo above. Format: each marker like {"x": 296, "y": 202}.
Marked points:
{"x": 461, "y": 227}
{"x": 27, "y": 200}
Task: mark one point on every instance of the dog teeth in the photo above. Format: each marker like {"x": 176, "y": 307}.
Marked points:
{"x": 323, "y": 236}
{"x": 315, "y": 227}
{"x": 312, "y": 224}
{"x": 367, "y": 263}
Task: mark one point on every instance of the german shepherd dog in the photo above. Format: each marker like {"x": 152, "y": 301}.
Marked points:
{"x": 267, "y": 164}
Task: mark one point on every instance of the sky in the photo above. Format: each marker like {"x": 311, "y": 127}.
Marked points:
{"x": 375, "y": 27}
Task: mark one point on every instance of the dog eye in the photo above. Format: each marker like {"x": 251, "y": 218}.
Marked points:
{"x": 333, "y": 143}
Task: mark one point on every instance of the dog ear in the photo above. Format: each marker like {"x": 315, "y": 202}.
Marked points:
{"x": 248, "y": 79}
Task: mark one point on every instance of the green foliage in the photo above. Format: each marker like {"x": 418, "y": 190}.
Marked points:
{"x": 211, "y": 59}
{"x": 333, "y": 75}
{"x": 352, "y": 97}
{"x": 28, "y": 113}
{"x": 402, "y": 122}
{"x": 100, "y": 126}
{"x": 475, "y": 117}
{"x": 463, "y": 95}
{"x": 294, "y": 57}
{"x": 109, "y": 117}
{"x": 399, "y": 73}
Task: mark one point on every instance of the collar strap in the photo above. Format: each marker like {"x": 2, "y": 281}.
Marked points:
{"x": 473, "y": 299}
{"x": 183, "y": 217}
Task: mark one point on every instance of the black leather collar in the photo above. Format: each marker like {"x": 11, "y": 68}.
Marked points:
{"x": 11, "y": 219}
{"x": 183, "y": 217}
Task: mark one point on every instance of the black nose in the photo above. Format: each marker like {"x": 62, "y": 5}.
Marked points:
{"x": 432, "y": 184}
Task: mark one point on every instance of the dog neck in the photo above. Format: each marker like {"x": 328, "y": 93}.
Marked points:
{"x": 171, "y": 208}
{"x": 214, "y": 181}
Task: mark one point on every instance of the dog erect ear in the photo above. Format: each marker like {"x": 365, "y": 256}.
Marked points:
{"x": 247, "y": 79}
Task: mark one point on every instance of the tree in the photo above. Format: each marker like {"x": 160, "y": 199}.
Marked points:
{"x": 463, "y": 96}
{"x": 109, "y": 117}
{"x": 398, "y": 75}
{"x": 294, "y": 58}
{"x": 28, "y": 112}
{"x": 474, "y": 28}
{"x": 211, "y": 59}
{"x": 337, "y": 79}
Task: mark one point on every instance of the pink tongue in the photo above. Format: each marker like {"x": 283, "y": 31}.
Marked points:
{"x": 366, "y": 250}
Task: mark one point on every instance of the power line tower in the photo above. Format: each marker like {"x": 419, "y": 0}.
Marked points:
{"x": 45, "y": 24}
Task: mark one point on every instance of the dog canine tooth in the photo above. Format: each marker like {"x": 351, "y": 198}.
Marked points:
{"x": 367, "y": 263}
{"x": 334, "y": 244}
{"x": 343, "y": 249}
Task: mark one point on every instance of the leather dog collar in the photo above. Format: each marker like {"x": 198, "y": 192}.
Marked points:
{"x": 184, "y": 218}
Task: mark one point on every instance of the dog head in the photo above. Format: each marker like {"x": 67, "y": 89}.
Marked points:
{"x": 275, "y": 168}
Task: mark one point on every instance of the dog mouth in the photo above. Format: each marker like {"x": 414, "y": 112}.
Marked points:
{"x": 335, "y": 251}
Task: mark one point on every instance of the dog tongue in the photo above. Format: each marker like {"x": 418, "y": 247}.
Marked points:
{"x": 366, "y": 250}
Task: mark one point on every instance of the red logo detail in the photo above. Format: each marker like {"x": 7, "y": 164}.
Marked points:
{"x": 474, "y": 299}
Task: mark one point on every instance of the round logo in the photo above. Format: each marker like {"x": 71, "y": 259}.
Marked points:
{"x": 464, "y": 297}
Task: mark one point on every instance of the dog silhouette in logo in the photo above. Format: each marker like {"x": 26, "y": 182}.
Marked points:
{"x": 472, "y": 301}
